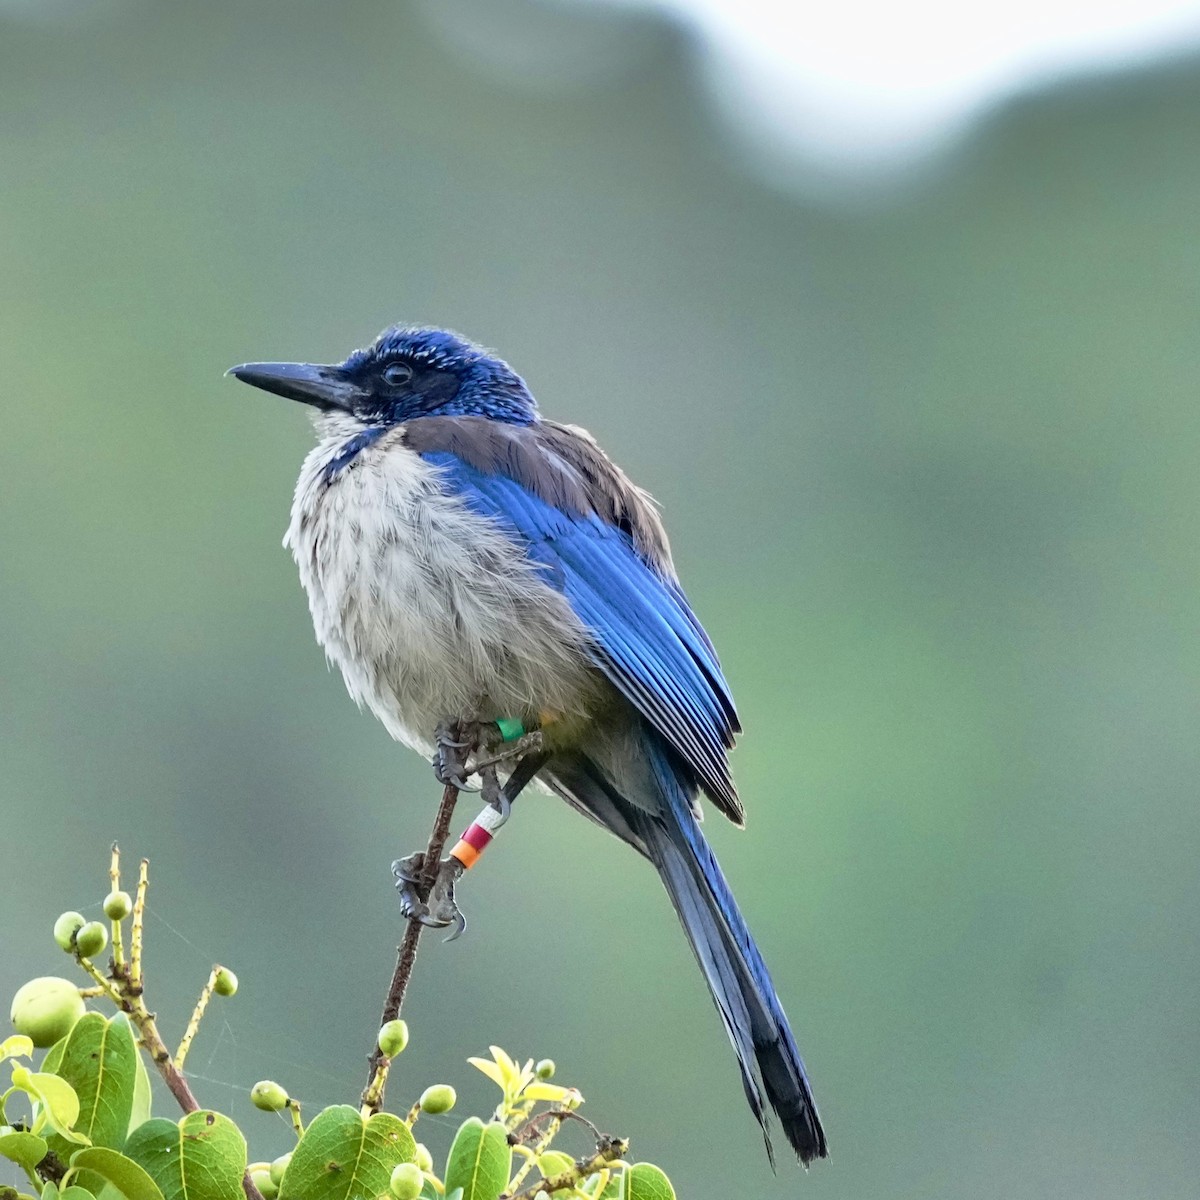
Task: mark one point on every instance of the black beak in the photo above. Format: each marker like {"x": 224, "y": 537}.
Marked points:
{"x": 326, "y": 388}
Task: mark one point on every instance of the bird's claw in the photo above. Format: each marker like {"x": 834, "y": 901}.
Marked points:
{"x": 495, "y": 795}
{"x": 440, "y": 909}
{"x": 450, "y": 759}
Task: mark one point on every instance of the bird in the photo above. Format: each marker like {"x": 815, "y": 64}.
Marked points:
{"x": 471, "y": 563}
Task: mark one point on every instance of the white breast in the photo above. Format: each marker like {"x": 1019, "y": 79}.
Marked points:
{"x": 430, "y": 611}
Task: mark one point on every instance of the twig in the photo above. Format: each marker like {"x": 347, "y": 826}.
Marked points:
{"x": 197, "y": 1016}
{"x": 406, "y": 955}
{"x": 609, "y": 1150}
{"x": 139, "y": 917}
{"x": 522, "y": 1132}
{"x": 533, "y": 1155}
{"x": 126, "y": 989}
{"x": 114, "y": 878}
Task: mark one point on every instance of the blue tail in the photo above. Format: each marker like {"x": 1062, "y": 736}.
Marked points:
{"x": 772, "y": 1070}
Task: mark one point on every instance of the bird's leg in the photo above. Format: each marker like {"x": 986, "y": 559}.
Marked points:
{"x": 484, "y": 828}
{"x": 528, "y": 750}
{"x": 440, "y": 909}
{"x": 492, "y": 743}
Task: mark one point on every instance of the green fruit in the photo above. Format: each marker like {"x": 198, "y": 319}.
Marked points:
{"x": 268, "y": 1095}
{"x": 225, "y": 983}
{"x": 440, "y": 1098}
{"x": 406, "y": 1181}
{"x": 545, "y": 1069}
{"x": 279, "y": 1166}
{"x": 65, "y": 929}
{"x": 424, "y": 1158}
{"x": 46, "y": 1009}
{"x": 260, "y": 1173}
{"x": 118, "y": 905}
{"x": 393, "y": 1037}
{"x": 91, "y": 939}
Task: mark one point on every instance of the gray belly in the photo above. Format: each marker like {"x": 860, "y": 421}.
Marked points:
{"x": 429, "y": 610}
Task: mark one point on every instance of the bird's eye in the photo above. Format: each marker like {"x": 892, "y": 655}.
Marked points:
{"x": 397, "y": 374}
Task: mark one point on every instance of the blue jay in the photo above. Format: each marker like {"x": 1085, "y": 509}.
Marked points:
{"x": 468, "y": 561}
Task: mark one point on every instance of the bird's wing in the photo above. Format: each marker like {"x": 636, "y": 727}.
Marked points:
{"x": 600, "y": 543}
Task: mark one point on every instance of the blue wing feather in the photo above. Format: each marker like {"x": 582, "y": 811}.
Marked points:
{"x": 646, "y": 638}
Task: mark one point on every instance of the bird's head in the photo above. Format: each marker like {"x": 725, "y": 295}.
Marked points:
{"x": 407, "y": 372}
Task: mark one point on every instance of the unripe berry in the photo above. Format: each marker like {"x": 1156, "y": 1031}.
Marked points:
{"x": 545, "y": 1069}
{"x": 406, "y": 1181}
{"x": 424, "y": 1158}
{"x": 279, "y": 1166}
{"x": 225, "y": 983}
{"x": 268, "y": 1095}
{"x": 440, "y": 1098}
{"x": 91, "y": 939}
{"x": 46, "y": 1009}
{"x": 393, "y": 1037}
{"x": 260, "y": 1173}
{"x": 118, "y": 905}
{"x": 65, "y": 929}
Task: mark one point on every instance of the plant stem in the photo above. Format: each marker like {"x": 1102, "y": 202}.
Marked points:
{"x": 139, "y": 917}
{"x": 406, "y": 955}
{"x": 197, "y": 1014}
{"x": 127, "y": 990}
{"x": 114, "y": 878}
{"x": 609, "y": 1151}
{"x": 542, "y": 1145}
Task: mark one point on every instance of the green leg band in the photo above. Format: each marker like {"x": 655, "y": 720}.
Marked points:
{"x": 510, "y": 728}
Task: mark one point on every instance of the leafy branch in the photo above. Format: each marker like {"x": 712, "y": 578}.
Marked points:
{"x": 79, "y": 1124}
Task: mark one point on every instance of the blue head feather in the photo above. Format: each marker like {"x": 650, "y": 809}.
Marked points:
{"x": 410, "y": 371}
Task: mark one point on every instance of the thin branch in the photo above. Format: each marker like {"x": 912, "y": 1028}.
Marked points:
{"x": 197, "y": 1016}
{"x": 522, "y": 1132}
{"x": 126, "y": 988}
{"x": 114, "y": 879}
{"x": 607, "y": 1152}
{"x": 139, "y": 918}
{"x": 406, "y": 956}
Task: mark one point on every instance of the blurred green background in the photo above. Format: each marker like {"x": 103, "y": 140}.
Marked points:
{"x": 930, "y": 467}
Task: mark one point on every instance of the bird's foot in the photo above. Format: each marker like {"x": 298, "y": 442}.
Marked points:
{"x": 439, "y": 910}
{"x": 505, "y": 751}
{"x": 454, "y": 746}
{"x": 499, "y": 797}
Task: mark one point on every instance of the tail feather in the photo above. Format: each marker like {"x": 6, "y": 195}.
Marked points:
{"x": 772, "y": 1070}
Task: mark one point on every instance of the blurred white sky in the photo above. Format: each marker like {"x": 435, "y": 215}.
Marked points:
{"x": 847, "y": 87}
{"x": 815, "y": 93}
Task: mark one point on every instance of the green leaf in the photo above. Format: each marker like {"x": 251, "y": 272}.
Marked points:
{"x": 54, "y": 1056}
{"x": 612, "y": 1189}
{"x": 17, "y": 1046}
{"x": 480, "y": 1160}
{"x": 644, "y": 1181}
{"x": 554, "y": 1162}
{"x": 71, "y": 1192}
{"x": 99, "y": 1060}
{"x": 203, "y": 1157}
{"x": 123, "y": 1173}
{"x": 343, "y": 1157}
{"x": 58, "y": 1104}
{"x": 139, "y": 1113}
{"x": 25, "y": 1149}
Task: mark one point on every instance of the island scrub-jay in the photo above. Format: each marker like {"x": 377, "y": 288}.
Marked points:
{"x": 467, "y": 560}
